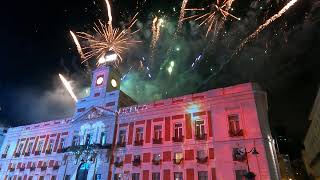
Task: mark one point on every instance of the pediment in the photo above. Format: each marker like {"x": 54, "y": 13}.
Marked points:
{"x": 93, "y": 113}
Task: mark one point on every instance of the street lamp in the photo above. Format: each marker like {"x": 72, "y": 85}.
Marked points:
{"x": 250, "y": 175}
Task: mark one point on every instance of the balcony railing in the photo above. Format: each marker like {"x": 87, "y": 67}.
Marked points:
{"x": 121, "y": 144}
{"x": 156, "y": 161}
{"x": 118, "y": 164}
{"x": 177, "y": 161}
{"x": 27, "y": 154}
{"x": 136, "y": 162}
{"x": 43, "y": 168}
{"x": 178, "y": 139}
{"x": 233, "y": 133}
{"x": 3, "y": 155}
{"x": 48, "y": 151}
{"x": 11, "y": 169}
{"x": 201, "y": 137}
{"x": 202, "y": 160}
{"x": 17, "y": 154}
{"x": 157, "y": 141}
{"x": 36, "y": 153}
{"x": 138, "y": 142}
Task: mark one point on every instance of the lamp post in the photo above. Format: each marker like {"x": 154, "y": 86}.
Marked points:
{"x": 250, "y": 175}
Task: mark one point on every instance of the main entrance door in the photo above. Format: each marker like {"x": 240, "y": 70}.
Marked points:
{"x": 82, "y": 172}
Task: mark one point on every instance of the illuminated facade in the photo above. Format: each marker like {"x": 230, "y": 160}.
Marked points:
{"x": 311, "y": 154}
{"x": 218, "y": 134}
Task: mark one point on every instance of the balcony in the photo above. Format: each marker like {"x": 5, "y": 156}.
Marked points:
{"x": 202, "y": 160}
{"x": 12, "y": 169}
{"x": 22, "y": 169}
{"x": 118, "y": 164}
{"x": 121, "y": 144}
{"x": 136, "y": 162}
{"x": 235, "y": 133}
{"x": 200, "y": 137}
{"x": 177, "y": 161}
{"x": 55, "y": 167}
{"x": 3, "y": 156}
{"x": 17, "y": 154}
{"x": 36, "y": 153}
{"x": 178, "y": 139}
{"x": 48, "y": 151}
{"x": 138, "y": 142}
{"x": 43, "y": 168}
{"x": 157, "y": 141}
{"x": 156, "y": 161}
{"x": 27, "y": 154}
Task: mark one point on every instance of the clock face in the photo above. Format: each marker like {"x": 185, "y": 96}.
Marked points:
{"x": 114, "y": 83}
{"x": 99, "y": 80}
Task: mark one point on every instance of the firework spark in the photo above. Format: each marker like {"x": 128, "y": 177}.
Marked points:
{"x": 215, "y": 16}
{"x": 76, "y": 42}
{"x": 182, "y": 13}
{"x": 266, "y": 24}
{"x": 68, "y": 87}
{"x": 109, "y": 13}
{"x": 156, "y": 27}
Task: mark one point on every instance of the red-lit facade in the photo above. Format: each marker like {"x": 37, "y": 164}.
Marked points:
{"x": 211, "y": 135}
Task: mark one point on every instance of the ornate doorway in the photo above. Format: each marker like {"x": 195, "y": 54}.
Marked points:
{"x": 82, "y": 172}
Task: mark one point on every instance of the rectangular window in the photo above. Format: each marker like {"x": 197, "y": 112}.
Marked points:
{"x": 178, "y": 155}
{"x": 234, "y": 124}
{"x": 118, "y": 177}
{"x": 139, "y": 134}
{"x": 19, "y": 178}
{"x": 202, "y": 175}
{"x": 40, "y": 146}
{"x": 178, "y": 130}
{"x": 135, "y": 176}
{"x": 53, "y": 177}
{"x": 155, "y": 176}
{"x": 178, "y": 176}
{"x": 20, "y": 148}
{"x": 88, "y": 139}
{"x": 200, "y": 128}
{"x": 75, "y": 140}
{"x": 29, "y": 149}
{"x": 239, "y": 154}
{"x": 201, "y": 154}
{"x": 30, "y": 178}
{"x": 157, "y": 157}
{"x": 6, "y": 149}
{"x": 157, "y": 132}
{"x": 122, "y": 136}
{"x": 61, "y": 144}
{"x": 240, "y": 174}
{"x": 103, "y": 139}
{"x": 41, "y": 178}
{"x": 67, "y": 177}
{"x": 50, "y": 145}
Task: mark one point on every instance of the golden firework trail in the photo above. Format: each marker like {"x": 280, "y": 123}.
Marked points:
{"x": 215, "y": 17}
{"x": 76, "y": 42}
{"x": 109, "y": 13}
{"x": 156, "y": 27}
{"x": 182, "y": 13}
{"x": 266, "y": 24}
{"x": 68, "y": 87}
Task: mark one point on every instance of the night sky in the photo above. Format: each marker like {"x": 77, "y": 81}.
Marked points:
{"x": 283, "y": 59}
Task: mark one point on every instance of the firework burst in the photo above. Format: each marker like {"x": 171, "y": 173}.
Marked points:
{"x": 214, "y": 15}
{"x": 106, "y": 39}
{"x": 68, "y": 87}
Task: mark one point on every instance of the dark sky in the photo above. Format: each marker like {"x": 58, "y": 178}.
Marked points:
{"x": 36, "y": 46}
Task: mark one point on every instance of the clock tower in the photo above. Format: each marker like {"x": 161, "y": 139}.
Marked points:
{"x": 104, "y": 79}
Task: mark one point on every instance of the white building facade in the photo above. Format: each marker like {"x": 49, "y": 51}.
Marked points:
{"x": 218, "y": 134}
